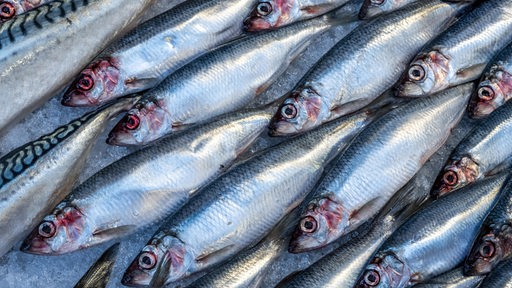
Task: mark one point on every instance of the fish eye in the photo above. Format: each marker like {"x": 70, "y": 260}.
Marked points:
{"x": 416, "y": 72}
{"x": 487, "y": 249}
{"x": 371, "y": 278}
{"x": 289, "y": 111}
{"x": 7, "y": 10}
{"x": 85, "y": 82}
{"x": 377, "y": 2}
{"x": 486, "y": 93}
{"x": 264, "y": 8}
{"x": 147, "y": 260}
{"x": 450, "y": 178}
{"x": 47, "y": 229}
{"x": 131, "y": 122}
{"x": 308, "y": 224}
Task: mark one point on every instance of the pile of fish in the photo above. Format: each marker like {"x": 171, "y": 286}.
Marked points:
{"x": 384, "y": 164}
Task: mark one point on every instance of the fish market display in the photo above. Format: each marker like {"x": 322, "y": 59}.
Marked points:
{"x": 380, "y": 161}
{"x": 51, "y": 44}
{"x": 372, "y": 8}
{"x": 220, "y": 82}
{"x": 157, "y": 48}
{"x": 452, "y": 279}
{"x": 495, "y": 87}
{"x": 337, "y": 85}
{"x": 38, "y": 175}
{"x": 99, "y": 274}
{"x": 500, "y": 277}
{"x": 146, "y": 186}
{"x": 461, "y": 53}
{"x": 12, "y": 8}
{"x": 242, "y": 206}
{"x": 484, "y": 151}
{"x": 434, "y": 240}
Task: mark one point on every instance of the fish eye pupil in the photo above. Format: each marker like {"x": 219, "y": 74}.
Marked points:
{"x": 308, "y": 225}
{"x": 416, "y": 73}
{"x": 46, "y": 228}
{"x": 288, "y": 111}
{"x": 146, "y": 260}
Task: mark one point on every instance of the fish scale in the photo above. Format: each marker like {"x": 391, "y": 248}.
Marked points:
{"x": 370, "y": 9}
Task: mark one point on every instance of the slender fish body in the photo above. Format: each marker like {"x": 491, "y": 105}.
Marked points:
{"x": 372, "y": 8}
{"x": 434, "y": 240}
{"x": 338, "y": 85}
{"x": 38, "y": 175}
{"x": 242, "y": 206}
{"x": 485, "y": 150}
{"x": 380, "y": 161}
{"x": 99, "y": 274}
{"x": 146, "y": 186}
{"x": 50, "y": 44}
{"x": 495, "y": 87}
{"x": 159, "y": 7}
{"x": 499, "y": 277}
{"x": 11, "y": 8}
{"x": 157, "y": 48}
{"x": 461, "y": 53}
{"x": 220, "y": 82}
{"x": 452, "y": 279}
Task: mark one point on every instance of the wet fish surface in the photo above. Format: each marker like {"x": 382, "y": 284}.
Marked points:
{"x": 500, "y": 277}
{"x": 99, "y": 274}
{"x": 372, "y": 8}
{"x": 452, "y": 279}
{"x": 11, "y": 8}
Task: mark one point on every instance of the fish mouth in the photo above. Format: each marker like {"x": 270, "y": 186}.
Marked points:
{"x": 138, "y": 280}
{"x": 77, "y": 99}
{"x": 35, "y": 246}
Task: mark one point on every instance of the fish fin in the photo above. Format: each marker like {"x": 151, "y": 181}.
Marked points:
{"x": 346, "y": 14}
{"x": 99, "y": 274}
{"x": 206, "y": 255}
{"x": 140, "y": 84}
{"x": 365, "y": 212}
{"x": 162, "y": 271}
{"x": 107, "y": 233}
{"x": 471, "y": 73}
{"x": 500, "y": 167}
{"x": 347, "y": 108}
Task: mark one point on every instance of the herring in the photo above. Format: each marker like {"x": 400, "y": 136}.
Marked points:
{"x": 99, "y": 274}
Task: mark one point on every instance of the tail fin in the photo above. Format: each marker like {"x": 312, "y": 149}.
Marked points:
{"x": 99, "y": 274}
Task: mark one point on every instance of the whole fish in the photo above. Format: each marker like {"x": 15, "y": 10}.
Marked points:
{"x": 146, "y": 186}
{"x": 38, "y": 175}
{"x": 99, "y": 274}
{"x": 337, "y": 85}
{"x": 499, "y": 277}
{"x": 42, "y": 50}
{"x": 242, "y": 206}
{"x": 484, "y": 151}
{"x": 372, "y": 8}
{"x": 272, "y": 14}
{"x": 461, "y": 53}
{"x": 494, "y": 242}
{"x": 380, "y": 161}
{"x": 452, "y": 279}
{"x": 157, "y": 48}
{"x": 495, "y": 87}
{"x": 434, "y": 240}
{"x": 11, "y": 8}
{"x": 220, "y": 82}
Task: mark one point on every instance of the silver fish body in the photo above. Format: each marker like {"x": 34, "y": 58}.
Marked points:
{"x": 157, "y": 48}
{"x": 434, "y": 240}
{"x": 499, "y": 277}
{"x": 337, "y": 85}
{"x": 147, "y": 185}
{"x": 38, "y": 175}
{"x": 452, "y": 279}
{"x": 56, "y": 39}
{"x": 242, "y": 206}
{"x": 99, "y": 274}
{"x": 220, "y": 82}
{"x": 484, "y": 151}
{"x": 372, "y": 8}
{"x": 461, "y": 53}
{"x": 380, "y": 161}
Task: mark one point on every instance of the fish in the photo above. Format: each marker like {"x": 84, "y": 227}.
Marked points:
{"x": 11, "y": 8}
{"x": 220, "y": 82}
{"x": 146, "y": 186}
{"x": 493, "y": 244}
{"x": 242, "y": 206}
{"x": 495, "y": 86}
{"x": 337, "y": 85}
{"x": 484, "y": 151}
{"x": 461, "y": 53}
{"x": 56, "y": 39}
{"x": 38, "y": 175}
{"x": 99, "y": 274}
{"x": 377, "y": 164}
{"x": 372, "y": 8}
{"x": 273, "y": 14}
{"x": 157, "y": 48}
{"x": 499, "y": 277}
{"x": 435, "y": 239}
{"x": 452, "y": 279}
{"x": 159, "y": 7}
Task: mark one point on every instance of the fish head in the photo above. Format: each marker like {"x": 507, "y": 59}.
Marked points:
{"x": 455, "y": 175}
{"x": 491, "y": 247}
{"x": 144, "y": 123}
{"x": 162, "y": 247}
{"x": 299, "y": 113}
{"x": 323, "y": 222}
{"x": 385, "y": 271}
{"x": 426, "y": 75}
{"x": 61, "y": 232}
{"x": 270, "y": 14}
{"x": 492, "y": 93}
{"x": 95, "y": 85}
{"x": 372, "y": 8}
